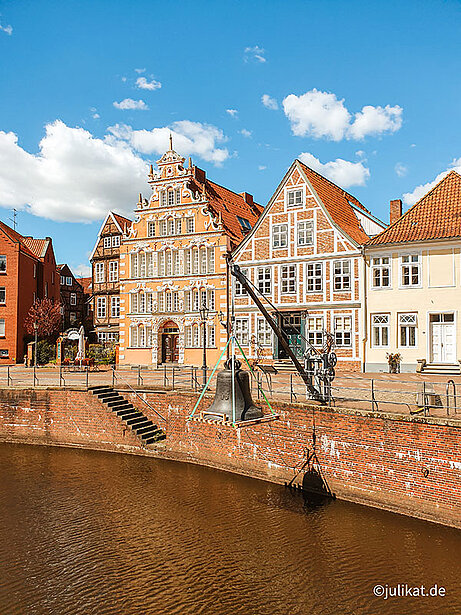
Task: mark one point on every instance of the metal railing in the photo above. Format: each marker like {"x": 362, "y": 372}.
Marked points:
{"x": 408, "y": 393}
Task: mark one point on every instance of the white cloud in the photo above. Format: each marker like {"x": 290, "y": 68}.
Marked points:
{"x": 7, "y": 29}
{"x": 189, "y": 138}
{"x": 255, "y": 53}
{"x": 246, "y": 133}
{"x": 262, "y": 167}
{"x": 341, "y": 172}
{"x": 401, "y": 169}
{"x": 269, "y": 102}
{"x": 96, "y": 116}
{"x": 410, "y": 198}
{"x": 143, "y": 84}
{"x": 140, "y": 71}
{"x": 232, "y": 112}
{"x": 129, "y": 103}
{"x": 74, "y": 177}
{"x": 82, "y": 271}
{"x": 322, "y": 115}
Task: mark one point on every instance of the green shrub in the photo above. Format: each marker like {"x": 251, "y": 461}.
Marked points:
{"x": 46, "y": 352}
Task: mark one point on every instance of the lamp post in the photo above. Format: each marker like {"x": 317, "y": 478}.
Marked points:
{"x": 204, "y": 311}
{"x": 36, "y": 342}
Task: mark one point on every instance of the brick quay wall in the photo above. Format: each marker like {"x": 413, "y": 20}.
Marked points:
{"x": 406, "y": 464}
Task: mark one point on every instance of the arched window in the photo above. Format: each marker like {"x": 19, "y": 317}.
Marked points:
{"x": 203, "y": 260}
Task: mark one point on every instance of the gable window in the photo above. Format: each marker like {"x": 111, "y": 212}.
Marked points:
{"x": 69, "y": 281}
{"x": 170, "y": 197}
{"x": 101, "y": 307}
{"x": 2, "y": 294}
{"x": 280, "y": 236}
{"x": 239, "y": 289}
{"x": 72, "y": 317}
{"x": 116, "y": 241}
{"x": 288, "y": 279}
{"x": 314, "y": 325}
{"x": 305, "y": 233}
{"x": 99, "y": 272}
{"x": 264, "y": 276}
{"x": 163, "y": 198}
{"x": 381, "y": 272}
{"x": 170, "y": 226}
{"x": 163, "y": 228}
{"x": 380, "y": 330}
{"x": 63, "y": 278}
{"x": 178, "y": 196}
{"x": 407, "y": 330}
{"x": 73, "y": 298}
{"x": 151, "y": 229}
{"x": 410, "y": 269}
{"x": 2, "y": 263}
{"x": 113, "y": 271}
{"x": 107, "y": 242}
{"x": 178, "y": 226}
{"x": 294, "y": 198}
{"x": 115, "y": 307}
{"x": 314, "y": 277}
{"x": 190, "y": 225}
{"x": 343, "y": 330}
{"x": 342, "y": 275}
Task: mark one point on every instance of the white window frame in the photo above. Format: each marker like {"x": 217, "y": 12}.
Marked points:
{"x": 280, "y": 236}
{"x": 99, "y": 273}
{"x": 292, "y": 194}
{"x": 407, "y": 321}
{"x": 107, "y": 242}
{"x": 101, "y": 307}
{"x": 315, "y": 334}
{"x": 73, "y": 298}
{"x": 2, "y": 328}
{"x": 2, "y": 263}
{"x": 263, "y": 333}
{"x": 411, "y": 264}
{"x": 113, "y": 271}
{"x": 313, "y": 278}
{"x": 68, "y": 281}
{"x": 343, "y": 330}
{"x": 342, "y": 276}
{"x": 115, "y": 307}
{"x": 241, "y": 291}
{"x": 379, "y": 322}
{"x": 2, "y": 295}
{"x": 190, "y": 224}
{"x": 115, "y": 241}
{"x": 288, "y": 282}
{"x": 151, "y": 228}
{"x": 242, "y": 331}
{"x": 264, "y": 280}
{"x": 379, "y": 267}
{"x": 305, "y": 229}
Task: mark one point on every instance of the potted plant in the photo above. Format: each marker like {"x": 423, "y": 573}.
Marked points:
{"x": 394, "y": 360}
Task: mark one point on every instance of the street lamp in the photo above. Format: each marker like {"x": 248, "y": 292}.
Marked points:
{"x": 204, "y": 311}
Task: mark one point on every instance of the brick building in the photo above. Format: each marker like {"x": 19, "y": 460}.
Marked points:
{"x": 304, "y": 254}
{"x": 72, "y": 299}
{"x": 88, "y": 313}
{"x": 173, "y": 262}
{"x": 27, "y": 272}
{"x": 105, "y": 261}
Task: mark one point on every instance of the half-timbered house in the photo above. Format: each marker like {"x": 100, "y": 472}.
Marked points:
{"x": 105, "y": 285}
{"x": 304, "y": 255}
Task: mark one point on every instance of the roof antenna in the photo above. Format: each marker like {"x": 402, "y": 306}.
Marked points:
{"x": 171, "y": 142}
{"x": 13, "y": 218}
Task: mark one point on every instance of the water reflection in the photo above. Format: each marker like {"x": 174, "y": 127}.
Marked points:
{"x": 88, "y": 532}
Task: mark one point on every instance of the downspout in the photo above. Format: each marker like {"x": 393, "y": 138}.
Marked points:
{"x": 365, "y": 310}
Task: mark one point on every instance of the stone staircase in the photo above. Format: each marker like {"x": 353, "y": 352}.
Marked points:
{"x": 284, "y": 365}
{"x": 145, "y": 429}
{"x": 441, "y": 369}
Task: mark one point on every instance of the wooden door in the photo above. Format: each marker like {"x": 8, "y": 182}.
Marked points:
{"x": 170, "y": 348}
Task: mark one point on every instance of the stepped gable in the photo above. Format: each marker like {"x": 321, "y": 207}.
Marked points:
{"x": 338, "y": 204}
{"x": 437, "y": 215}
{"x": 229, "y": 206}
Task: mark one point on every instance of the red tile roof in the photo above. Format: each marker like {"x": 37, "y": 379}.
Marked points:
{"x": 32, "y": 247}
{"x": 122, "y": 221}
{"x": 85, "y": 283}
{"x": 229, "y": 206}
{"x": 437, "y": 215}
{"x": 338, "y": 204}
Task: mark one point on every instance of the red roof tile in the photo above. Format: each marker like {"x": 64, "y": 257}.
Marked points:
{"x": 437, "y": 215}
{"x": 122, "y": 221}
{"x": 36, "y": 246}
{"x": 27, "y": 243}
{"x": 338, "y": 204}
{"x": 85, "y": 283}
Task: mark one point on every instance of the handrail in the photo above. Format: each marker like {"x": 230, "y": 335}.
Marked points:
{"x": 141, "y": 398}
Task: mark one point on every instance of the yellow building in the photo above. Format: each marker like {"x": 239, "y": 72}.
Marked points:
{"x": 173, "y": 263}
{"x": 414, "y": 285}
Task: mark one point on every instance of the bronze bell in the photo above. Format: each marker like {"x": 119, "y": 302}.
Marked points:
{"x": 245, "y": 409}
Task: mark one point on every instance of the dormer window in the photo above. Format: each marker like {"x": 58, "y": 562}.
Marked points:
{"x": 294, "y": 197}
{"x": 244, "y": 225}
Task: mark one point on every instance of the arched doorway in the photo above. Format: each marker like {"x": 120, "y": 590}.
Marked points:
{"x": 169, "y": 338}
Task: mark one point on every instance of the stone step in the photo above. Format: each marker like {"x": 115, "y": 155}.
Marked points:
{"x": 100, "y": 387}
{"x": 130, "y": 415}
{"x": 147, "y": 428}
{"x": 135, "y": 419}
{"x": 116, "y": 402}
{"x": 124, "y": 411}
{"x": 142, "y": 425}
{"x": 151, "y": 434}
{"x": 155, "y": 439}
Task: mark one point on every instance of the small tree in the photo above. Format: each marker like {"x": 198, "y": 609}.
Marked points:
{"x": 45, "y": 315}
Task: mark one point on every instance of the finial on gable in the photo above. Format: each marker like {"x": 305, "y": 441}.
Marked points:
{"x": 151, "y": 170}
{"x": 190, "y": 162}
{"x": 171, "y": 142}
{"x": 140, "y": 199}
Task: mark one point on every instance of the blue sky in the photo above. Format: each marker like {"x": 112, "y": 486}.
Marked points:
{"x": 371, "y": 90}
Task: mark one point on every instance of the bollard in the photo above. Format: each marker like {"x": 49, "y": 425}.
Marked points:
{"x": 9, "y": 377}
{"x": 172, "y": 379}
{"x": 35, "y": 376}
{"x": 113, "y": 376}
{"x": 87, "y": 376}
{"x": 139, "y": 375}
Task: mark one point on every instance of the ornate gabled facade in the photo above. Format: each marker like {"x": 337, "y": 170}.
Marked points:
{"x": 173, "y": 262}
{"x": 304, "y": 255}
{"x": 105, "y": 261}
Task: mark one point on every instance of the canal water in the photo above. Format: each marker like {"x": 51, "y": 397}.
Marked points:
{"x": 95, "y": 533}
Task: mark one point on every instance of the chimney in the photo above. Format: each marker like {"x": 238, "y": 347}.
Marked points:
{"x": 395, "y": 211}
{"x": 199, "y": 175}
{"x": 248, "y": 198}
